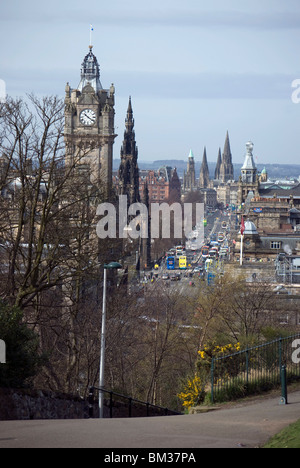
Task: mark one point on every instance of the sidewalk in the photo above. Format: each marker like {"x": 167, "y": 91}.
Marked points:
{"x": 249, "y": 425}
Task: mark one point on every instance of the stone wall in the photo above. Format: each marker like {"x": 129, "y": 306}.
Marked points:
{"x": 28, "y": 404}
{"x": 25, "y": 404}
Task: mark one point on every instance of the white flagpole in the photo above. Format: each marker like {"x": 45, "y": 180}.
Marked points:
{"x": 241, "y": 253}
{"x": 91, "y": 29}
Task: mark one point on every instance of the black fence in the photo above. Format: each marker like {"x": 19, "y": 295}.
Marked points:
{"x": 255, "y": 369}
{"x": 118, "y": 405}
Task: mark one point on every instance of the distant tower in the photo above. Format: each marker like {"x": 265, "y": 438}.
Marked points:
{"x": 129, "y": 171}
{"x": 204, "y": 172}
{"x": 263, "y": 175}
{"x": 189, "y": 178}
{"x": 145, "y": 243}
{"x": 226, "y": 169}
{"x": 218, "y": 166}
{"x": 175, "y": 188}
{"x": 89, "y": 125}
{"x": 249, "y": 180}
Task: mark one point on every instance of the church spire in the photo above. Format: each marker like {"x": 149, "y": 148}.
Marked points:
{"x": 204, "y": 172}
{"x": 227, "y": 151}
{"x": 226, "y": 169}
{"x": 218, "y": 166}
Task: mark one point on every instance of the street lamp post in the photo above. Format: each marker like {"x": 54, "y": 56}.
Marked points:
{"x": 110, "y": 266}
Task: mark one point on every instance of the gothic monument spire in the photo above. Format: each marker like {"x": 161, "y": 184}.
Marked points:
{"x": 129, "y": 171}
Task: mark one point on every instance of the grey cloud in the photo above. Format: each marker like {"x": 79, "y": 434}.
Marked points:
{"x": 208, "y": 85}
{"x": 166, "y": 85}
{"x": 197, "y": 18}
{"x": 134, "y": 17}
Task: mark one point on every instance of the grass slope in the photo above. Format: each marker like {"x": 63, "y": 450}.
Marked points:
{"x": 287, "y": 438}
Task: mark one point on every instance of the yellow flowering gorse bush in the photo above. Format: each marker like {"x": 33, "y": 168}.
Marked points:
{"x": 191, "y": 392}
{"x": 194, "y": 389}
{"x": 216, "y": 350}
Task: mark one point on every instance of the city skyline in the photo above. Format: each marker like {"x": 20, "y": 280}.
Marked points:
{"x": 193, "y": 71}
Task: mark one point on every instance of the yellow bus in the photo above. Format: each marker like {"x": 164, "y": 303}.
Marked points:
{"x": 182, "y": 263}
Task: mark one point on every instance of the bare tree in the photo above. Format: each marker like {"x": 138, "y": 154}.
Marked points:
{"x": 250, "y": 307}
{"x": 49, "y": 250}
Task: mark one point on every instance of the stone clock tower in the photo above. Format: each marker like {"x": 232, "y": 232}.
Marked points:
{"x": 89, "y": 125}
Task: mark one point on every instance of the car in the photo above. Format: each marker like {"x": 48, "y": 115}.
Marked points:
{"x": 213, "y": 254}
{"x": 280, "y": 290}
{"x": 175, "y": 277}
{"x": 188, "y": 273}
{"x": 214, "y": 244}
{"x": 165, "y": 277}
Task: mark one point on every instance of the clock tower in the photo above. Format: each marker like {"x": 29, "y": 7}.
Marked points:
{"x": 89, "y": 125}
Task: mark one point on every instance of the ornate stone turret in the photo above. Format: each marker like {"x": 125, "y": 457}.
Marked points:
{"x": 249, "y": 170}
{"x": 249, "y": 180}
{"x": 90, "y": 72}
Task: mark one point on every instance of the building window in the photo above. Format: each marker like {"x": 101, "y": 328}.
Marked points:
{"x": 284, "y": 319}
{"x": 275, "y": 245}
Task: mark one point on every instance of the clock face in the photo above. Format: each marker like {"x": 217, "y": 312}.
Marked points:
{"x": 88, "y": 117}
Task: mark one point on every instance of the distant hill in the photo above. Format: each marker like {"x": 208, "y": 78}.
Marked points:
{"x": 275, "y": 171}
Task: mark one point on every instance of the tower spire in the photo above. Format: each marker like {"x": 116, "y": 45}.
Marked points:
{"x": 226, "y": 169}
{"x": 129, "y": 122}
{"x": 218, "y": 166}
{"x": 204, "y": 172}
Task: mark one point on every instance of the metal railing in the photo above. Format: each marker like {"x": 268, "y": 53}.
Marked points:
{"x": 131, "y": 402}
{"x": 253, "y": 370}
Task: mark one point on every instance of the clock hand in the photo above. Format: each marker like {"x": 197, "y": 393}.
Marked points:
{"x": 86, "y": 115}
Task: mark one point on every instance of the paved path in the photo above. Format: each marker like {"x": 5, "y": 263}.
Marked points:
{"x": 240, "y": 426}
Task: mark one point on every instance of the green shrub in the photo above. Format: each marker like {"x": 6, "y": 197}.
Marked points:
{"x": 22, "y": 349}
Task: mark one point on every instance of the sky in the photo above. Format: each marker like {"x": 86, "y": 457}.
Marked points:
{"x": 194, "y": 69}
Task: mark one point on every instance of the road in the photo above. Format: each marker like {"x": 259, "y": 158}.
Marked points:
{"x": 214, "y": 226}
{"x": 243, "y": 425}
